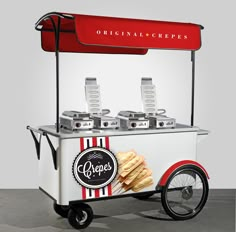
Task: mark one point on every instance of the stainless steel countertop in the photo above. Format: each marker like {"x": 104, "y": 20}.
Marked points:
{"x": 66, "y": 134}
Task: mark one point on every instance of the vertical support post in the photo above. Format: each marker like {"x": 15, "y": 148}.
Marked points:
{"x": 55, "y": 19}
{"x": 57, "y": 39}
{"x": 193, "y": 86}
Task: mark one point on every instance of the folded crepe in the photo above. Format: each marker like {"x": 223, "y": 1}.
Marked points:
{"x": 129, "y": 166}
{"x": 132, "y": 175}
{"x": 124, "y": 157}
{"x": 142, "y": 175}
{"x": 143, "y": 184}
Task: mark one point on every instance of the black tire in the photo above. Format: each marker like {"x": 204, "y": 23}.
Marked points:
{"x": 61, "y": 210}
{"x": 176, "y": 197}
{"x": 80, "y": 216}
{"x": 144, "y": 196}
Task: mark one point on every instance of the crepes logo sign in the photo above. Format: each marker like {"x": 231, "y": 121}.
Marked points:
{"x": 95, "y": 167}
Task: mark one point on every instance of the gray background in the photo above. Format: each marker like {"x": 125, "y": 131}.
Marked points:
{"x": 28, "y": 79}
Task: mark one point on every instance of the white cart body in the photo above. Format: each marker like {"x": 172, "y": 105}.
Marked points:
{"x": 162, "y": 149}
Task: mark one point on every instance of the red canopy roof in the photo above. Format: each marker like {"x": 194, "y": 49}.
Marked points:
{"x": 98, "y": 34}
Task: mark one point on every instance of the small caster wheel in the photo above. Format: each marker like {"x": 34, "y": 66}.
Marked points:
{"x": 61, "y": 210}
{"x": 144, "y": 196}
{"x": 80, "y": 216}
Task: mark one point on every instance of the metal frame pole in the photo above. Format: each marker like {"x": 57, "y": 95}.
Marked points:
{"x": 57, "y": 39}
{"x": 193, "y": 86}
{"x": 56, "y": 29}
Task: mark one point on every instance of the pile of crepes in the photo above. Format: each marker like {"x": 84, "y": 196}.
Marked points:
{"x": 133, "y": 173}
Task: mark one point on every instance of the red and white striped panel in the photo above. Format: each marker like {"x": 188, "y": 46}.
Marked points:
{"x": 95, "y": 142}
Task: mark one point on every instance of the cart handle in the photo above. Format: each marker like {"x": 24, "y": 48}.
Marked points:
{"x": 48, "y": 16}
{"x": 35, "y": 130}
{"x": 38, "y": 142}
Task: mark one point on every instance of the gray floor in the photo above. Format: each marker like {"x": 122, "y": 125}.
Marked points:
{"x": 31, "y": 210}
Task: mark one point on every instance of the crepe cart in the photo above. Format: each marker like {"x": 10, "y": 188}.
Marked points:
{"x": 145, "y": 153}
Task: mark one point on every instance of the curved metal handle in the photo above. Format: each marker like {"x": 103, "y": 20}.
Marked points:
{"x": 56, "y": 24}
{"x": 35, "y": 130}
{"x": 38, "y": 142}
{"x": 48, "y": 16}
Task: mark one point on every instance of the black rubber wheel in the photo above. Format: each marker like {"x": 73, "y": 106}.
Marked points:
{"x": 144, "y": 196}
{"x": 61, "y": 210}
{"x": 185, "y": 192}
{"x": 80, "y": 216}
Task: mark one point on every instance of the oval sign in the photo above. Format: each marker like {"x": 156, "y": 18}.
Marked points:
{"x": 95, "y": 167}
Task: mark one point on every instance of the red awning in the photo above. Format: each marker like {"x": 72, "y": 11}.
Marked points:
{"x": 97, "y": 34}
